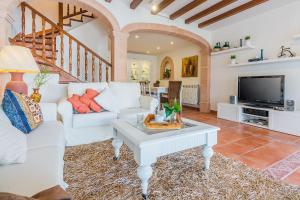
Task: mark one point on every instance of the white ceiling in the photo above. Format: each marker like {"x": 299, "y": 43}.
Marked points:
{"x": 271, "y": 4}
{"x": 147, "y": 43}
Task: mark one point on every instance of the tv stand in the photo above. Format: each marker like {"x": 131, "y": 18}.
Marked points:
{"x": 259, "y": 105}
{"x": 282, "y": 121}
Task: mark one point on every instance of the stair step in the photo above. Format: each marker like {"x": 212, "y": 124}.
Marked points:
{"x": 89, "y": 16}
{"x": 37, "y": 41}
{"x": 37, "y": 46}
{"x": 69, "y": 24}
{"x": 76, "y": 20}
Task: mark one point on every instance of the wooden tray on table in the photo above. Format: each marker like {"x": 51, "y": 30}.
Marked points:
{"x": 150, "y": 124}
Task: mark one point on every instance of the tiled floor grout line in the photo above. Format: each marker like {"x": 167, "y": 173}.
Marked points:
{"x": 292, "y": 171}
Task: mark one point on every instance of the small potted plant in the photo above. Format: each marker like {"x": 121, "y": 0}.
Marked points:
{"x": 233, "y": 59}
{"x": 39, "y": 80}
{"x": 226, "y": 46}
{"x": 167, "y": 74}
{"x": 172, "y": 111}
{"x": 156, "y": 84}
{"x": 248, "y": 40}
{"x": 217, "y": 47}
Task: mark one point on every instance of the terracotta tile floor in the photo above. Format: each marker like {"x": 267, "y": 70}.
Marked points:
{"x": 256, "y": 147}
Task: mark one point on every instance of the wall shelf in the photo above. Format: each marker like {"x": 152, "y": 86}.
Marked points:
{"x": 233, "y": 50}
{"x": 269, "y": 61}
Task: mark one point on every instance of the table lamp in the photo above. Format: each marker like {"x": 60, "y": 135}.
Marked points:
{"x": 17, "y": 60}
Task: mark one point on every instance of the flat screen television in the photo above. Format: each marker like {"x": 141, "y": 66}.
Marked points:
{"x": 265, "y": 91}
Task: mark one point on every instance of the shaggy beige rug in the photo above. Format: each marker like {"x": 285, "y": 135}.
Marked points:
{"x": 92, "y": 173}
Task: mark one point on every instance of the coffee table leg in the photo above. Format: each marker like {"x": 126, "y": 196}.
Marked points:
{"x": 208, "y": 152}
{"x": 144, "y": 173}
{"x": 117, "y": 143}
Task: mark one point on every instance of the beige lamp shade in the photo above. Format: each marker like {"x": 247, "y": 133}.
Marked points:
{"x": 17, "y": 59}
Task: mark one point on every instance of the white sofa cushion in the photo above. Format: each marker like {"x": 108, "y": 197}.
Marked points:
{"x": 131, "y": 113}
{"x": 43, "y": 169}
{"x": 80, "y": 88}
{"x": 13, "y": 144}
{"x": 47, "y": 134}
{"x": 127, "y": 94}
{"x": 108, "y": 101}
{"x": 93, "y": 119}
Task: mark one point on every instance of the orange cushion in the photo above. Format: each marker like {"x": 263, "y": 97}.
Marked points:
{"x": 78, "y": 105}
{"x": 85, "y": 100}
{"x": 91, "y": 93}
{"x": 95, "y": 107}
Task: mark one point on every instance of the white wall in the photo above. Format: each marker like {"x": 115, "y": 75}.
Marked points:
{"x": 268, "y": 31}
{"x": 177, "y": 56}
{"x": 154, "y": 73}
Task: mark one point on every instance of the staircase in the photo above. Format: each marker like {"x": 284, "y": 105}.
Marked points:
{"x": 49, "y": 40}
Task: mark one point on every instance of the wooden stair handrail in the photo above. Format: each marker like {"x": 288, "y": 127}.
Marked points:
{"x": 24, "y": 4}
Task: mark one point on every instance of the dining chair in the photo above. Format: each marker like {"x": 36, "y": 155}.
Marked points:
{"x": 174, "y": 92}
{"x": 145, "y": 88}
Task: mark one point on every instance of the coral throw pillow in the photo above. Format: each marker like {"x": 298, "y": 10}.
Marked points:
{"x": 85, "y": 99}
{"x": 78, "y": 106}
{"x": 22, "y": 111}
{"x": 91, "y": 93}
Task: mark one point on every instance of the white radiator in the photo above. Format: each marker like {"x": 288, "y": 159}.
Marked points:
{"x": 191, "y": 95}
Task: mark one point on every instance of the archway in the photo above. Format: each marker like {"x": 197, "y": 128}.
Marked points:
{"x": 97, "y": 8}
{"x": 181, "y": 33}
{"x": 167, "y": 63}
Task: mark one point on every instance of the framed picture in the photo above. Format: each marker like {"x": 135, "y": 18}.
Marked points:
{"x": 190, "y": 66}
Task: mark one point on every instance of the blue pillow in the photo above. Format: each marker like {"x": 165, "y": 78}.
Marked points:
{"x": 22, "y": 111}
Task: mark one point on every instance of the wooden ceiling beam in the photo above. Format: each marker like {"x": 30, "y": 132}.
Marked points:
{"x": 186, "y": 8}
{"x": 232, "y": 12}
{"x": 209, "y": 10}
{"x": 161, "y": 6}
{"x": 135, "y": 3}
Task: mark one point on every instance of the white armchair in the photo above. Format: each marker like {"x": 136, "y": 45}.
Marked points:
{"x": 93, "y": 127}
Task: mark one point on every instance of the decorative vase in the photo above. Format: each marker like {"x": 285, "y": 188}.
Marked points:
{"x": 36, "y": 96}
{"x": 178, "y": 117}
{"x": 233, "y": 61}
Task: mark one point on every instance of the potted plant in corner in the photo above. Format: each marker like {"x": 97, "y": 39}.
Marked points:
{"x": 248, "y": 40}
{"x": 233, "y": 59}
{"x": 39, "y": 80}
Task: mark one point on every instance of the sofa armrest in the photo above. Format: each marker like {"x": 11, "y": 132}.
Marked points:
{"x": 65, "y": 110}
{"x": 149, "y": 103}
{"x": 49, "y": 111}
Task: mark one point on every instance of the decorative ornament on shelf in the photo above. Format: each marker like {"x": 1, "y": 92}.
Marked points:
{"x": 258, "y": 58}
{"x": 226, "y": 46}
{"x": 156, "y": 84}
{"x": 217, "y": 47}
{"x": 167, "y": 73}
{"x": 39, "y": 80}
{"x": 172, "y": 110}
{"x": 286, "y": 52}
{"x": 248, "y": 40}
{"x": 233, "y": 59}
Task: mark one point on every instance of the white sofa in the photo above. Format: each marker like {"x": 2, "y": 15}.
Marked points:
{"x": 44, "y": 164}
{"x": 93, "y": 127}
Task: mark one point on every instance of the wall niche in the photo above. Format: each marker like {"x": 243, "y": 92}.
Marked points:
{"x": 167, "y": 69}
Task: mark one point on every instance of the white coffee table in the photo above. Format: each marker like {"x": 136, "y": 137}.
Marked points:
{"x": 148, "y": 146}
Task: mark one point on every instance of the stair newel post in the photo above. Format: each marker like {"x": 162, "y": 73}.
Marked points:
{"x": 78, "y": 60}
{"x": 70, "y": 55}
{"x": 53, "y": 44}
{"x": 60, "y": 15}
{"x": 93, "y": 68}
{"x": 44, "y": 37}
{"x": 23, "y": 22}
{"x": 85, "y": 65}
{"x": 100, "y": 70}
{"x": 107, "y": 73}
{"x": 62, "y": 49}
{"x": 33, "y": 31}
